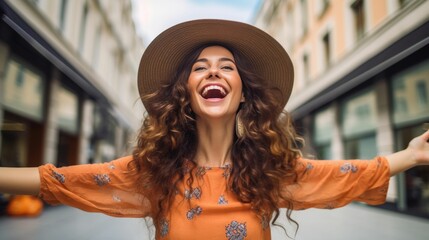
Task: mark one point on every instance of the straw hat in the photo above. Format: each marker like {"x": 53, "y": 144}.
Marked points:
{"x": 167, "y": 51}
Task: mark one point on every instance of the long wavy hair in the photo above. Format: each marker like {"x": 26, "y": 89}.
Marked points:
{"x": 263, "y": 160}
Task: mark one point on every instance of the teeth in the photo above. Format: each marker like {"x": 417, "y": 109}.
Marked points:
{"x": 213, "y": 87}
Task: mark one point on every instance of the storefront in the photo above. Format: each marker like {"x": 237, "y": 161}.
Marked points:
{"x": 376, "y": 109}
{"x": 365, "y": 125}
{"x": 410, "y": 98}
{"x": 67, "y": 109}
{"x": 23, "y": 103}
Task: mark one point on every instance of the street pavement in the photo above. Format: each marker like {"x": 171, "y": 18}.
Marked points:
{"x": 353, "y": 222}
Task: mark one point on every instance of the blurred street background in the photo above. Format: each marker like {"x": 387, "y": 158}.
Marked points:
{"x": 68, "y": 96}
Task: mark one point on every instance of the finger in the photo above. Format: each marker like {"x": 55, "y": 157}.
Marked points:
{"x": 425, "y": 135}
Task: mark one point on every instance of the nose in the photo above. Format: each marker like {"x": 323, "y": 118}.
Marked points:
{"x": 213, "y": 72}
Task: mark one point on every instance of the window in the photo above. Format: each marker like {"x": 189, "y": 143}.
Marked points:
{"x": 63, "y": 6}
{"x": 403, "y": 3}
{"x": 306, "y": 68}
{"x": 422, "y": 93}
{"x": 96, "y": 48}
{"x": 326, "y": 42}
{"x": 359, "y": 122}
{"x": 321, "y": 7}
{"x": 410, "y": 90}
{"x": 68, "y": 110}
{"x": 324, "y": 122}
{"x": 415, "y": 180}
{"x": 22, "y": 81}
{"x": 359, "y": 18}
{"x": 83, "y": 27}
{"x": 304, "y": 16}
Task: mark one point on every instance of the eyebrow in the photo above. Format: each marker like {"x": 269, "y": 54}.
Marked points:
{"x": 223, "y": 59}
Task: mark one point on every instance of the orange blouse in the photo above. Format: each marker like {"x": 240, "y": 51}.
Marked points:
{"x": 214, "y": 212}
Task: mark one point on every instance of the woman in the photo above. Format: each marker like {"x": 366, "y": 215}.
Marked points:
{"x": 216, "y": 156}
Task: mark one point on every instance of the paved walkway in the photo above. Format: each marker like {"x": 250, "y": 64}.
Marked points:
{"x": 354, "y": 222}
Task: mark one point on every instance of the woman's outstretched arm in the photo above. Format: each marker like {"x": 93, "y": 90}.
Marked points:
{"x": 417, "y": 153}
{"x": 25, "y": 181}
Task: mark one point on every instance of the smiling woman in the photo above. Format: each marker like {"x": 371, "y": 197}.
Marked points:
{"x": 215, "y": 85}
{"x": 216, "y": 156}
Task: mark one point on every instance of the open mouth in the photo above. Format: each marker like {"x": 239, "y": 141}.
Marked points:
{"x": 213, "y": 91}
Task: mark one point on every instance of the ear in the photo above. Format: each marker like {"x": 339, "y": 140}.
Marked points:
{"x": 242, "y": 98}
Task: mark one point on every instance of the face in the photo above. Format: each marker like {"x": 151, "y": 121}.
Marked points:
{"x": 214, "y": 84}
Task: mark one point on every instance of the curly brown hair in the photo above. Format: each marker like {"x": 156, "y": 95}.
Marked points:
{"x": 263, "y": 160}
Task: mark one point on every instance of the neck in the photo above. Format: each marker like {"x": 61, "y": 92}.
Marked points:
{"x": 214, "y": 142}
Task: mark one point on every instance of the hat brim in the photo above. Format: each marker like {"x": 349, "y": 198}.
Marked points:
{"x": 167, "y": 51}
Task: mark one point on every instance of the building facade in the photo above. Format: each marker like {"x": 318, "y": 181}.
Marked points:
{"x": 361, "y": 80}
{"x": 68, "y": 74}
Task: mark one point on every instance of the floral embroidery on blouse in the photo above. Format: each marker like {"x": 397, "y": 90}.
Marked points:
{"x": 227, "y": 170}
{"x": 222, "y": 200}
{"x": 164, "y": 227}
{"x": 111, "y": 166}
{"x": 116, "y": 198}
{"x": 101, "y": 179}
{"x": 193, "y": 211}
{"x": 348, "y": 167}
{"x": 60, "y": 177}
{"x": 308, "y": 167}
{"x": 236, "y": 231}
{"x": 330, "y": 205}
{"x": 201, "y": 171}
{"x": 194, "y": 192}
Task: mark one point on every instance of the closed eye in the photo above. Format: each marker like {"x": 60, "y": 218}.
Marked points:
{"x": 228, "y": 68}
{"x": 199, "y": 68}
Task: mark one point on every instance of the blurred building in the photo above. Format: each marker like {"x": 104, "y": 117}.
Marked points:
{"x": 68, "y": 81}
{"x": 361, "y": 80}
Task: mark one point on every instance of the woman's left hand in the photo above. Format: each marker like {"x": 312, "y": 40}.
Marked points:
{"x": 419, "y": 147}
{"x": 417, "y": 153}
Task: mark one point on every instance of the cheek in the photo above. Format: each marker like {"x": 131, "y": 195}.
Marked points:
{"x": 192, "y": 83}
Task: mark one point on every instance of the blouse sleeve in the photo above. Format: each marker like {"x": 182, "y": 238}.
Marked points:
{"x": 335, "y": 183}
{"x": 107, "y": 188}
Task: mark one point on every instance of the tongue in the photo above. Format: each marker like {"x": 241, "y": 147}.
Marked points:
{"x": 214, "y": 93}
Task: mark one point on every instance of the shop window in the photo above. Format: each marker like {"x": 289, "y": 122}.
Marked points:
{"x": 416, "y": 180}
{"x": 68, "y": 111}
{"x": 422, "y": 93}
{"x": 410, "y": 95}
{"x": 21, "y": 144}
{"x": 104, "y": 136}
{"x": 68, "y": 123}
{"x": 22, "y": 128}
{"x": 359, "y": 120}
{"x": 363, "y": 147}
{"x": 410, "y": 89}
{"x": 23, "y": 90}
{"x": 324, "y": 122}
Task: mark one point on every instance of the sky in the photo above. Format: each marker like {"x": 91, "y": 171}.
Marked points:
{"x": 154, "y": 16}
